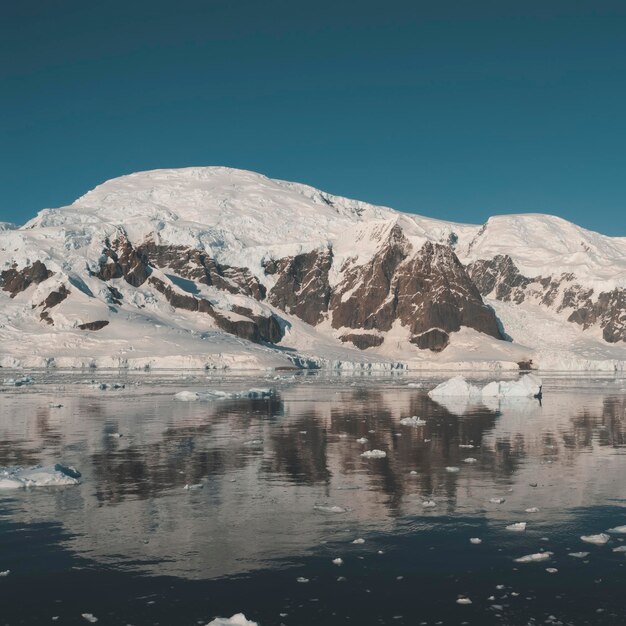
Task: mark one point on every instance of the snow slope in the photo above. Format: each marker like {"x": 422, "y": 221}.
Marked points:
{"x": 241, "y": 219}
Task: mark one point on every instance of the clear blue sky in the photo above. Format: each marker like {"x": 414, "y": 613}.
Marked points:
{"x": 457, "y": 110}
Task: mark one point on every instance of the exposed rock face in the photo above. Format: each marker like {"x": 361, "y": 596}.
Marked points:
{"x": 97, "y": 325}
{"x": 363, "y": 341}
{"x": 122, "y": 260}
{"x": 302, "y": 286}
{"x": 500, "y": 278}
{"x": 56, "y": 297}
{"x": 253, "y": 327}
{"x": 424, "y": 290}
{"x": 15, "y": 281}
{"x": 199, "y": 267}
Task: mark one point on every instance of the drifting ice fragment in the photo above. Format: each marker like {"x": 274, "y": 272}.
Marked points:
{"x": 533, "y": 558}
{"x": 236, "y": 620}
{"x": 302, "y": 579}
{"x": 518, "y": 526}
{"x": 497, "y": 500}
{"x": 532, "y": 509}
{"x": 5, "y": 573}
{"x": 618, "y": 530}
{"x": 374, "y": 454}
{"x": 470, "y": 460}
{"x": 527, "y": 386}
{"x": 475, "y": 540}
{"x": 463, "y": 601}
{"x": 329, "y": 508}
{"x": 620, "y": 549}
{"x": 362, "y": 440}
{"x": 338, "y": 561}
{"x": 580, "y": 555}
{"x": 599, "y": 539}
{"x": 452, "y": 469}
{"x": 359, "y": 541}
{"x": 412, "y": 421}
{"x": 38, "y": 476}
{"x": 551, "y": 570}
{"x": 429, "y": 504}
{"x": 89, "y": 617}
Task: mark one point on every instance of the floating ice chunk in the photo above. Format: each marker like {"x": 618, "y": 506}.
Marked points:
{"x": 456, "y": 386}
{"x": 362, "y": 440}
{"x": 19, "y": 382}
{"x": 518, "y": 526}
{"x": 6, "y": 572}
{"x": 236, "y": 620}
{"x": 38, "y": 476}
{"x": 302, "y": 579}
{"x": 338, "y": 561}
{"x": 497, "y": 500}
{"x": 329, "y": 508}
{"x": 618, "y": 530}
{"x": 466, "y": 445}
{"x": 374, "y": 454}
{"x": 527, "y": 386}
{"x": 533, "y": 558}
{"x": 475, "y": 540}
{"x": 89, "y": 617}
{"x": 532, "y": 509}
{"x": 452, "y": 469}
{"x": 108, "y": 386}
{"x": 359, "y": 541}
{"x": 52, "y": 405}
{"x": 187, "y": 396}
{"x": 415, "y": 385}
{"x": 470, "y": 459}
{"x": 599, "y": 539}
{"x": 189, "y": 487}
{"x": 429, "y": 504}
{"x": 413, "y": 473}
{"x": 551, "y": 570}
{"x": 115, "y": 435}
{"x": 412, "y": 421}
{"x": 253, "y": 442}
{"x": 620, "y": 549}
{"x": 580, "y": 555}
{"x": 463, "y": 601}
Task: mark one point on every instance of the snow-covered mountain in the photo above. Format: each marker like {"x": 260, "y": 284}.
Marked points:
{"x": 219, "y": 267}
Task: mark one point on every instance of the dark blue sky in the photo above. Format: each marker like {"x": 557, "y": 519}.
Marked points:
{"x": 457, "y": 110}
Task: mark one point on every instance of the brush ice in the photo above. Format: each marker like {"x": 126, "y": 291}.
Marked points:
{"x": 38, "y": 476}
{"x": 374, "y": 454}
{"x": 412, "y": 421}
{"x": 600, "y": 539}
{"x": 617, "y": 530}
{"x": 238, "y": 619}
{"x": 517, "y": 527}
{"x": 533, "y": 558}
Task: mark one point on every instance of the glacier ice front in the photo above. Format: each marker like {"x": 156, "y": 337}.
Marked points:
{"x": 527, "y": 386}
{"x": 38, "y": 476}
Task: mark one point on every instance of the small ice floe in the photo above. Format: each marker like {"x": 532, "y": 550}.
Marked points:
{"x": 115, "y": 435}
{"x": 413, "y": 473}
{"x": 6, "y": 572}
{"x": 452, "y": 469}
{"x": 338, "y": 561}
{"x": 551, "y": 570}
{"x": 412, "y": 421}
{"x": 497, "y": 500}
{"x": 415, "y": 385}
{"x": 302, "y": 579}
{"x": 362, "y": 440}
{"x": 475, "y": 540}
{"x": 470, "y": 459}
{"x": 52, "y": 405}
{"x": 253, "y": 442}
{"x": 620, "y": 549}
{"x": 534, "y": 558}
{"x": 617, "y": 530}
{"x": 466, "y": 445}
{"x": 189, "y": 487}
{"x": 19, "y": 382}
{"x": 527, "y": 386}
{"x": 236, "y": 620}
{"x": 463, "y": 600}
{"x": 517, "y": 527}
{"x": 38, "y": 476}
{"x": 600, "y": 539}
{"x": 329, "y": 508}
{"x": 429, "y": 504}
{"x": 532, "y": 509}
{"x": 218, "y": 394}
{"x": 374, "y": 454}
{"x": 359, "y": 541}
{"x": 89, "y": 617}
{"x": 580, "y": 555}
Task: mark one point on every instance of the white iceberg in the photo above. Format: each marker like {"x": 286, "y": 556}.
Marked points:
{"x": 618, "y": 530}
{"x": 527, "y": 386}
{"x": 600, "y": 539}
{"x": 475, "y": 540}
{"x": 38, "y": 476}
{"x": 580, "y": 555}
{"x": 517, "y": 527}
{"x": 218, "y": 394}
{"x": 374, "y": 454}
{"x": 533, "y": 558}
{"x": 236, "y": 620}
{"x": 412, "y": 421}
{"x": 452, "y": 469}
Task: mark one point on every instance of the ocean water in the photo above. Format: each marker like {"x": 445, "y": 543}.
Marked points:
{"x": 191, "y": 510}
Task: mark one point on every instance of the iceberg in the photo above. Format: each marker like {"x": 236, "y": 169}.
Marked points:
{"x": 217, "y": 394}
{"x": 238, "y": 619}
{"x": 38, "y": 476}
{"x": 533, "y": 558}
{"x": 527, "y": 386}
{"x": 374, "y": 454}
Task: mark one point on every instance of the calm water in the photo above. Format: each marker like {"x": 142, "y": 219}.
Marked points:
{"x": 131, "y": 545}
